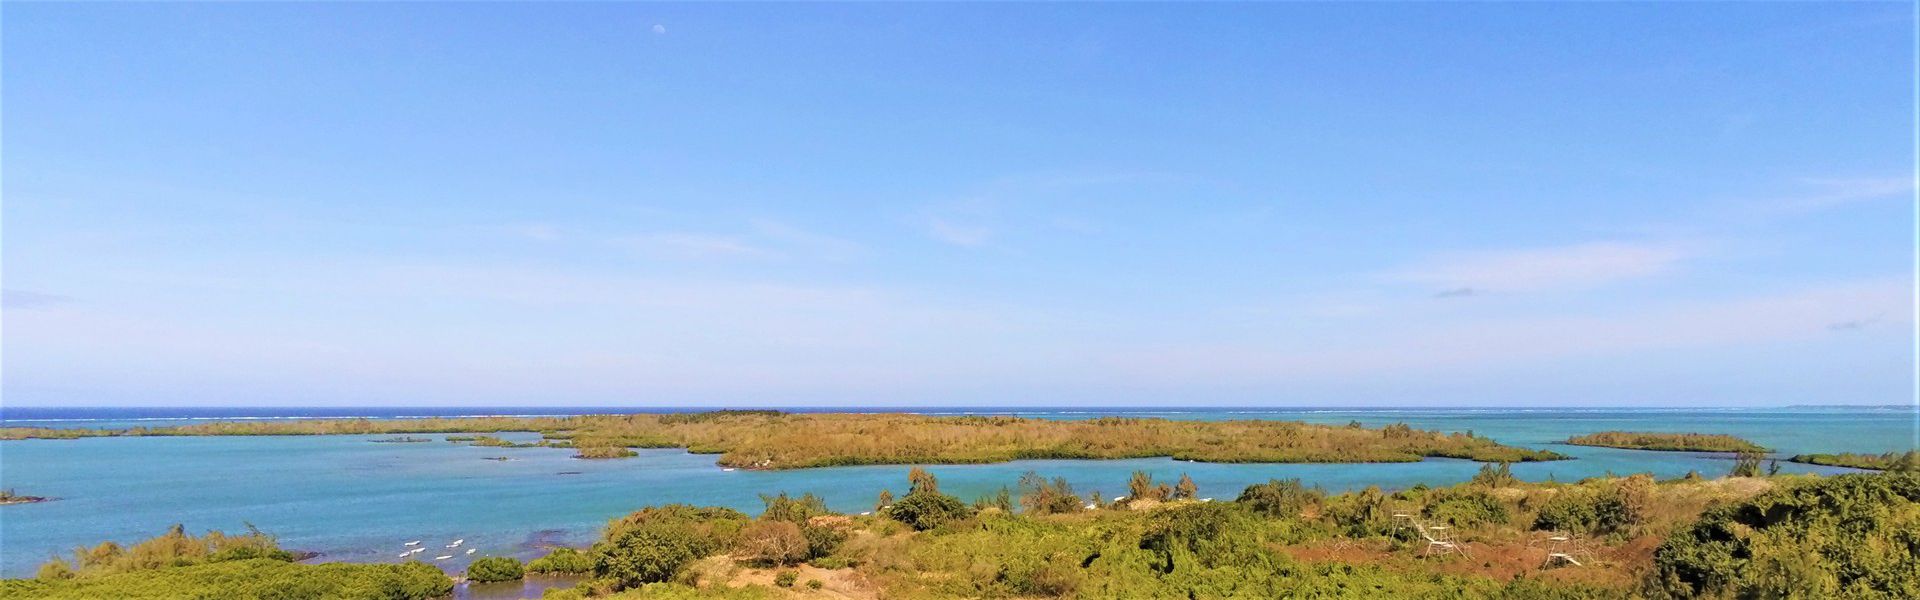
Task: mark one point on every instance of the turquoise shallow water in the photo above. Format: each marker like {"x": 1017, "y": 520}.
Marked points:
{"x": 351, "y": 499}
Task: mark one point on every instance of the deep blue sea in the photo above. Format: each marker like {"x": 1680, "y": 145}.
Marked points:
{"x": 350, "y": 499}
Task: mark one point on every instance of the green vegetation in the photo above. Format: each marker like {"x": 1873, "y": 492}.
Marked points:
{"x": 495, "y": 568}
{"x": 562, "y": 561}
{"x": 178, "y": 565}
{"x": 1849, "y": 536}
{"x": 772, "y": 440}
{"x": 175, "y": 548}
{"x": 8, "y": 497}
{"x": 1891, "y": 461}
{"x": 1676, "y": 442}
{"x": 252, "y": 579}
{"x": 1608, "y": 507}
{"x": 601, "y": 452}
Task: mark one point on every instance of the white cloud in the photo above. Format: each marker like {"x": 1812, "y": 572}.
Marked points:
{"x": 1579, "y": 266}
{"x": 659, "y": 29}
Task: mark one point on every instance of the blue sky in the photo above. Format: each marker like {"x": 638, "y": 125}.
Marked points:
{"x": 657, "y": 205}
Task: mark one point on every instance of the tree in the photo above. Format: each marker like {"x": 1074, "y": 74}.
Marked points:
{"x": 922, "y": 482}
{"x": 495, "y": 568}
{"x": 1141, "y": 487}
{"x": 885, "y": 500}
{"x": 1041, "y": 497}
{"x": 1186, "y": 489}
{"x": 1746, "y": 464}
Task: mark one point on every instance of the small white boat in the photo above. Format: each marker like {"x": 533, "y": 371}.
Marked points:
{"x": 443, "y": 557}
{"x": 1206, "y": 499}
{"x": 866, "y": 513}
{"x": 469, "y": 551}
{"x": 414, "y": 543}
{"x": 405, "y": 554}
{"x": 727, "y": 469}
{"x": 417, "y": 550}
{"x": 1092, "y": 506}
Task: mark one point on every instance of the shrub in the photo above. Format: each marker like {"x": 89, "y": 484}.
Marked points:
{"x": 54, "y": 570}
{"x": 566, "y": 561}
{"x": 883, "y": 501}
{"x": 785, "y": 579}
{"x": 1851, "y": 536}
{"x": 246, "y": 579}
{"x": 793, "y": 510}
{"x": 1747, "y": 464}
{"x": 772, "y": 543}
{"x": 822, "y": 539}
{"x": 1491, "y": 476}
{"x": 495, "y": 568}
{"x": 1041, "y": 497}
{"x": 814, "y": 584}
{"x": 1360, "y": 514}
{"x": 929, "y": 510}
{"x": 1280, "y": 498}
{"x": 1464, "y": 507}
{"x": 648, "y": 553}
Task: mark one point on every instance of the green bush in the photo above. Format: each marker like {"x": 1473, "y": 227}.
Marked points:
{"x": 495, "y": 568}
{"x": 1280, "y": 498}
{"x": 785, "y": 579}
{"x": 251, "y": 579}
{"x": 565, "y": 561}
{"x": 814, "y": 584}
{"x": 1464, "y": 507}
{"x": 649, "y": 553}
{"x": 925, "y": 511}
{"x": 822, "y": 540}
{"x": 793, "y": 510}
{"x": 1848, "y": 536}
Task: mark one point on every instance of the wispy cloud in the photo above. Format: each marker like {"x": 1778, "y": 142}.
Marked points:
{"x": 1455, "y": 293}
{"x": 1856, "y": 324}
{"x": 687, "y": 245}
{"x": 958, "y": 234}
{"x": 1825, "y": 193}
{"x": 30, "y": 300}
{"x": 1578, "y": 266}
{"x": 804, "y": 241}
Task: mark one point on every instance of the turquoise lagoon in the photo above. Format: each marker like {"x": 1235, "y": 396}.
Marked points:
{"x": 348, "y": 498}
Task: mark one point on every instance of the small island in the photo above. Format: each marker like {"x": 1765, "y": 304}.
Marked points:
{"x": 765, "y": 439}
{"x": 401, "y": 440}
{"x": 8, "y": 497}
{"x": 1668, "y": 442}
{"x": 1891, "y": 461}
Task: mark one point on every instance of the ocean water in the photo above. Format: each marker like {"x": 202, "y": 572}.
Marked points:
{"x": 351, "y": 499}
